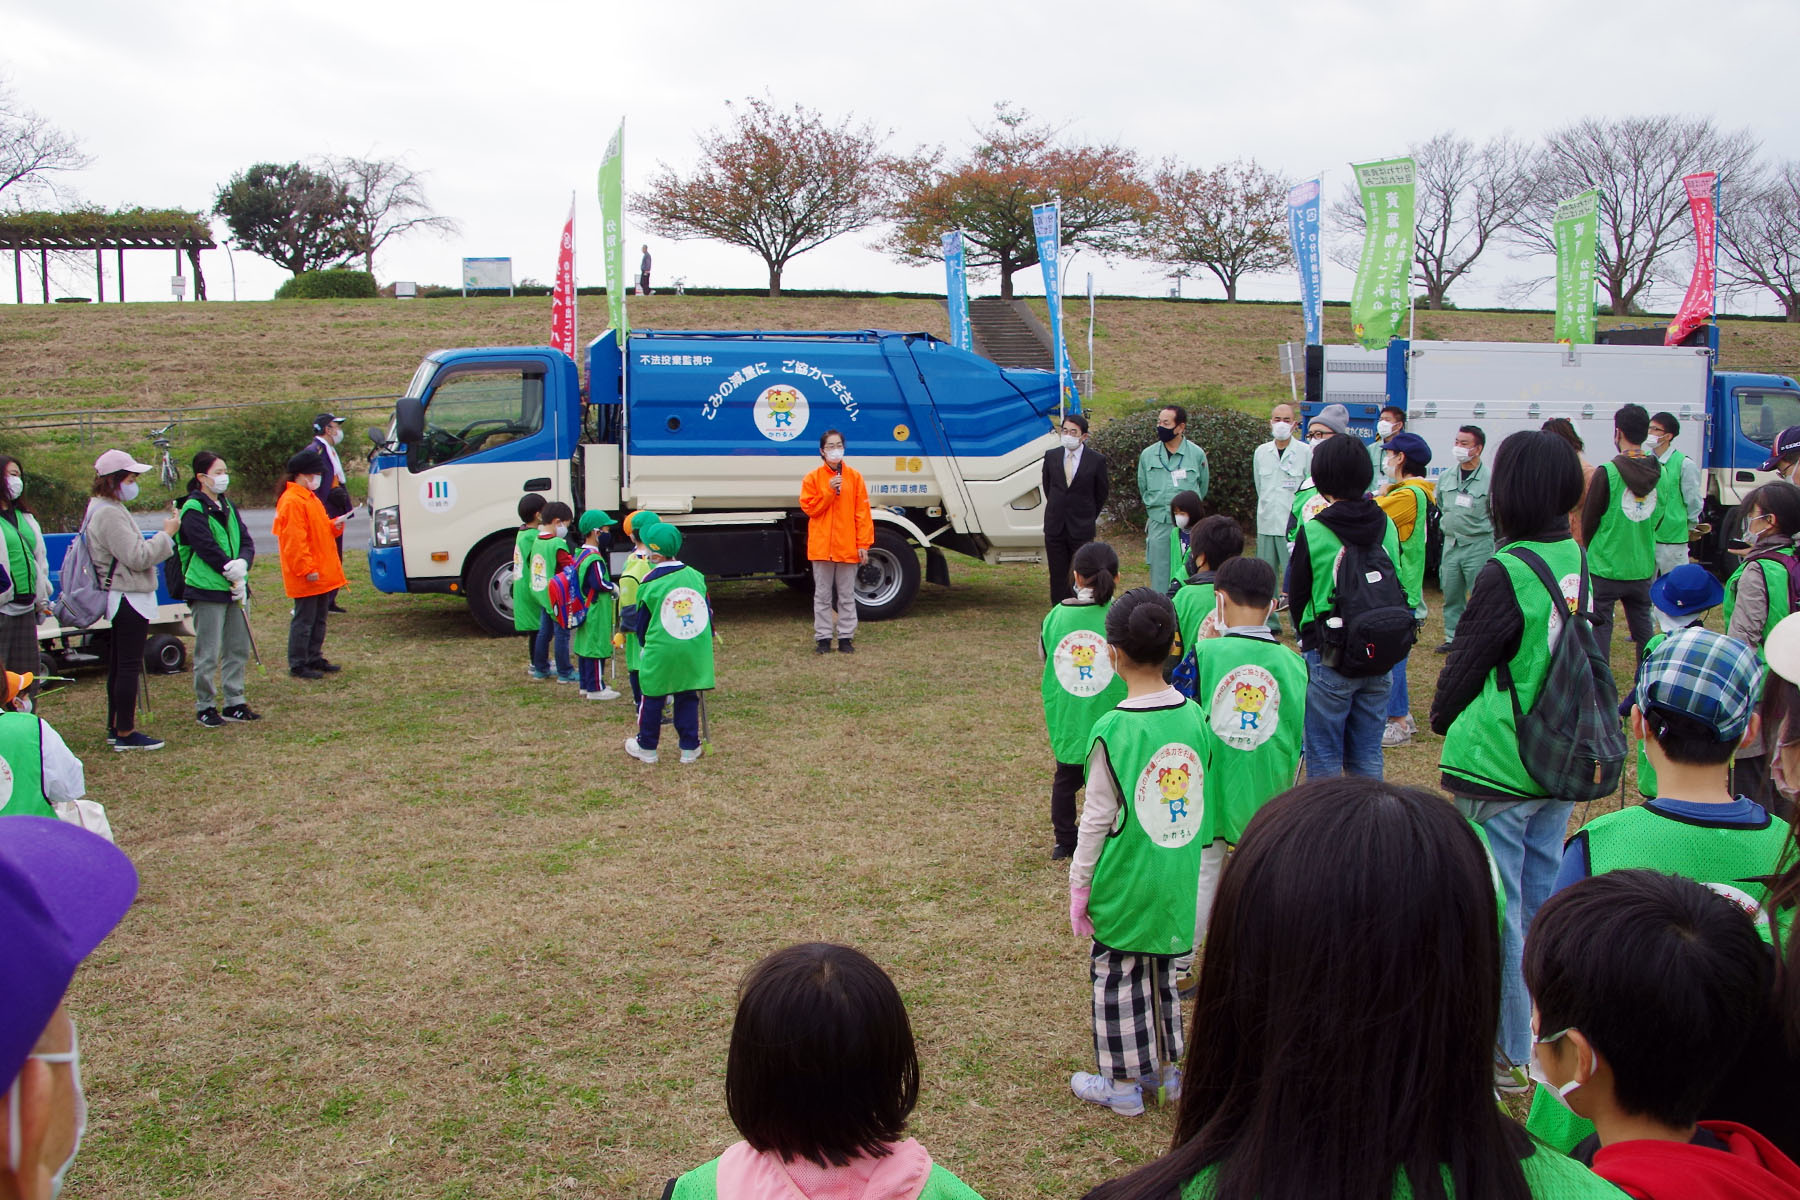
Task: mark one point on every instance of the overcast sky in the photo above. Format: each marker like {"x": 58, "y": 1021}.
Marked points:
{"x": 507, "y": 107}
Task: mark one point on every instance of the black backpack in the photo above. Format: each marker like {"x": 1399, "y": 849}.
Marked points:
{"x": 1571, "y": 742}
{"x": 1370, "y": 626}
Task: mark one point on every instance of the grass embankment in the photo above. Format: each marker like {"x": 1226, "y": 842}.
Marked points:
{"x": 426, "y": 931}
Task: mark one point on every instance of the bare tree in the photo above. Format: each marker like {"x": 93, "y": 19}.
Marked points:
{"x": 1232, "y": 220}
{"x": 780, "y": 183}
{"x": 1759, "y": 240}
{"x": 390, "y": 202}
{"x": 32, "y": 150}
{"x": 1637, "y": 164}
{"x": 1465, "y": 197}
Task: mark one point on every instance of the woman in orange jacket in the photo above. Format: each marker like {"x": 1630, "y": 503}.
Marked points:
{"x": 839, "y": 532}
{"x": 311, "y": 570}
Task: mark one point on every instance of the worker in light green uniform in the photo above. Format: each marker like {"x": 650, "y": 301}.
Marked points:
{"x": 1466, "y": 523}
{"x": 1171, "y": 466}
{"x": 674, "y": 626}
{"x": 1678, "y": 493}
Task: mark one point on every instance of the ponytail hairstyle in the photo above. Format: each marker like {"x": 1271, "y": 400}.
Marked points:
{"x": 1142, "y": 625}
{"x": 203, "y": 462}
{"x": 1099, "y": 562}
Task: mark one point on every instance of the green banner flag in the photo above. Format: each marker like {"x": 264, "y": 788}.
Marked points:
{"x": 612, "y": 219}
{"x": 1575, "y": 226}
{"x": 1384, "y": 277}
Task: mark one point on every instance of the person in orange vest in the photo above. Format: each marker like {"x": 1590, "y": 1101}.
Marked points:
{"x": 839, "y": 532}
{"x": 311, "y": 571}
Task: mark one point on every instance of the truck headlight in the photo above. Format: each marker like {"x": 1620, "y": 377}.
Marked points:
{"x": 387, "y": 527}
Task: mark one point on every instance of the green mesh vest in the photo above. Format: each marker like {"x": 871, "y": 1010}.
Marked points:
{"x": 1624, "y": 547}
{"x": 1148, "y": 877}
{"x": 1322, "y": 546}
{"x": 636, "y": 567}
{"x": 527, "y": 611}
{"x": 1482, "y": 746}
{"x": 1672, "y": 516}
{"x": 1307, "y": 505}
{"x": 1775, "y": 587}
{"x": 21, "y": 555}
{"x": 1252, "y": 694}
{"x": 1735, "y": 856}
{"x": 678, "y": 650}
{"x": 702, "y": 1183}
{"x": 1411, "y": 564}
{"x": 228, "y": 535}
{"x": 593, "y": 637}
{"x": 1193, "y": 601}
{"x": 1079, "y": 685}
{"x": 1547, "y": 1177}
{"x": 22, "y": 766}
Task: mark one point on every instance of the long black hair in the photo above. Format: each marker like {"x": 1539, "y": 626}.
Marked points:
{"x": 1347, "y": 1010}
{"x": 1537, "y": 478}
{"x": 1099, "y": 562}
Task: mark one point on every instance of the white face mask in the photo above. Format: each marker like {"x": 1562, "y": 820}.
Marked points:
{"x": 1667, "y": 623}
{"x": 1070, "y": 441}
{"x": 834, "y": 456}
{"x": 219, "y": 482}
{"x": 1384, "y": 429}
{"x": 1281, "y": 430}
{"x": 1652, "y": 444}
{"x": 562, "y": 529}
{"x": 1394, "y": 466}
{"x": 1084, "y": 594}
{"x": 15, "y": 486}
{"x": 337, "y": 435}
{"x": 73, "y": 1058}
{"x": 1181, "y": 520}
{"x": 1536, "y": 1072}
{"x": 1461, "y": 454}
{"x": 310, "y": 482}
{"x": 128, "y": 491}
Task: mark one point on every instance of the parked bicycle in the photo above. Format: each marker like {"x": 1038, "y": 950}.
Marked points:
{"x": 165, "y": 463}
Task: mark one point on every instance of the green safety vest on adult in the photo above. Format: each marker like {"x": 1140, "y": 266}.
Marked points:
{"x": 1672, "y": 516}
{"x": 21, "y": 555}
{"x": 1548, "y": 1176}
{"x": 1193, "y": 601}
{"x": 527, "y": 610}
{"x": 22, "y": 766}
{"x": 1079, "y": 684}
{"x": 677, "y": 654}
{"x": 1734, "y": 856}
{"x": 228, "y": 535}
{"x": 1411, "y": 564}
{"x": 1252, "y": 692}
{"x": 593, "y": 637}
{"x": 1322, "y": 547}
{"x": 1624, "y": 547}
{"x": 1307, "y": 505}
{"x": 1775, "y": 587}
{"x": 1148, "y": 878}
{"x": 1482, "y": 746}
{"x": 702, "y": 1183}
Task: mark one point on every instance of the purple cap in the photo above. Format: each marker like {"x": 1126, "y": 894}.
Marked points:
{"x": 62, "y": 890}
{"x": 1786, "y": 442}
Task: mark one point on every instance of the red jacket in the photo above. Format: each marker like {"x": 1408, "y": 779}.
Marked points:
{"x": 838, "y": 524}
{"x": 1749, "y": 1168}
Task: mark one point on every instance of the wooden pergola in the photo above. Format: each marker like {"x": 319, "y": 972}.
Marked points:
{"x": 133, "y": 229}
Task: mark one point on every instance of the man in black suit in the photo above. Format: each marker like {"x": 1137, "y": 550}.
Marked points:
{"x": 328, "y": 431}
{"x": 1074, "y": 493}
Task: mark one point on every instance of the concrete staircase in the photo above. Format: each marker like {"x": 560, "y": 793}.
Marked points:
{"x": 1007, "y": 333}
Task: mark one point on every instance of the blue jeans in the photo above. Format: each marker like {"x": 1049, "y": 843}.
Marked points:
{"x": 1527, "y": 840}
{"x": 1398, "y": 700}
{"x": 548, "y": 629}
{"x": 1344, "y": 720}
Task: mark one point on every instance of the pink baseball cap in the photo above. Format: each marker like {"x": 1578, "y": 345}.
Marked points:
{"x": 118, "y": 460}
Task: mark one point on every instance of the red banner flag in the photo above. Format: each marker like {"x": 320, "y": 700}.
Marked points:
{"x": 1697, "y": 305}
{"x": 562, "y": 301}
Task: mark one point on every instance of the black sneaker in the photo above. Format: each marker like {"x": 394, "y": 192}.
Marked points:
{"x": 1443, "y": 649}
{"x": 846, "y": 646}
{"x": 824, "y": 646}
{"x": 210, "y": 718}
{"x": 241, "y": 712}
{"x": 1061, "y": 852}
{"x": 136, "y": 741}
{"x": 306, "y": 673}
{"x": 335, "y": 607}
{"x": 329, "y": 668}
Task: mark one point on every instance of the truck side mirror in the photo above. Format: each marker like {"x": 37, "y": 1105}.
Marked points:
{"x": 409, "y": 420}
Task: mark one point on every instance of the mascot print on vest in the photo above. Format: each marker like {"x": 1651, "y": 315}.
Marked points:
{"x": 1245, "y": 708}
{"x": 1082, "y": 666}
{"x": 1160, "y": 800}
{"x": 683, "y": 613}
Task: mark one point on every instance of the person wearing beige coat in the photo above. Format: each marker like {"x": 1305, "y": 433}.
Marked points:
{"x": 125, "y": 562}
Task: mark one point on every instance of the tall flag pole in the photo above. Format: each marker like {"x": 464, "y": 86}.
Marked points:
{"x": 1575, "y": 229}
{"x": 1384, "y": 275}
{"x": 1046, "y": 224}
{"x": 1697, "y": 305}
{"x": 612, "y": 217}
{"x": 956, "y": 291}
{"x": 562, "y": 302}
{"x": 1303, "y": 233}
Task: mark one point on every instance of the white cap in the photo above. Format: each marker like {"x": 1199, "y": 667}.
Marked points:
{"x": 1782, "y": 648}
{"x": 118, "y": 460}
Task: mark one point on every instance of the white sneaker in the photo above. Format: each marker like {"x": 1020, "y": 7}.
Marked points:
{"x": 604, "y": 693}
{"x": 1164, "y": 1086}
{"x": 1126, "y": 1099}
{"x": 692, "y": 756}
{"x": 1395, "y": 735}
{"x": 638, "y": 752}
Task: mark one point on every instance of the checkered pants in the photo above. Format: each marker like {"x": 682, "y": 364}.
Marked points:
{"x": 1136, "y": 1007}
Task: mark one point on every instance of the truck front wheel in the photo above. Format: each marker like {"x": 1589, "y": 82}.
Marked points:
{"x": 489, "y": 588}
{"x": 888, "y": 582}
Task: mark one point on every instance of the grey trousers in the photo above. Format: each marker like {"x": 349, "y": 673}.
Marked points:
{"x": 834, "y": 588}
{"x": 222, "y": 648}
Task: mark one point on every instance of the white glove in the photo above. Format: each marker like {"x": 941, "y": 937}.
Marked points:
{"x": 236, "y": 570}
{"x": 239, "y": 591}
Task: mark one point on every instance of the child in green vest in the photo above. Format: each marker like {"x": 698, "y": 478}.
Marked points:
{"x": 527, "y": 612}
{"x": 547, "y": 554}
{"x": 820, "y": 1078}
{"x": 1406, "y": 498}
{"x": 1078, "y": 683}
{"x": 1135, "y": 874}
{"x": 1216, "y": 540}
{"x": 1252, "y": 692}
{"x": 673, "y": 625}
{"x": 636, "y": 567}
{"x": 1681, "y": 599}
{"x": 1185, "y": 515}
{"x": 592, "y": 641}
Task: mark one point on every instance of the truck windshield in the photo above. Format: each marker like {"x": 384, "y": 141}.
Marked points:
{"x": 1763, "y": 414}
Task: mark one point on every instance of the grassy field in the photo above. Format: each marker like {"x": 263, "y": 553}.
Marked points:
{"x": 426, "y": 931}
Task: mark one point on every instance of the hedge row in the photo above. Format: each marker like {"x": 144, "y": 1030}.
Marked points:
{"x": 1229, "y": 437}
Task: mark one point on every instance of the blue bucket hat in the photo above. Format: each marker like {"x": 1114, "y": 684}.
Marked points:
{"x": 1687, "y": 591}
